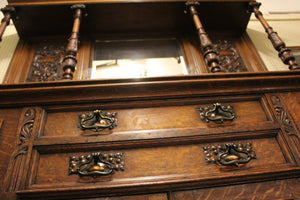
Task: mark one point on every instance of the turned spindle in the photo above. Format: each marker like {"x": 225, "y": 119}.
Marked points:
{"x": 70, "y": 61}
{"x": 7, "y": 12}
{"x": 284, "y": 53}
{"x": 210, "y": 54}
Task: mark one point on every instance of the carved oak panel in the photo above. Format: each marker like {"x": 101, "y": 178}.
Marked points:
{"x": 47, "y": 63}
{"x": 229, "y": 56}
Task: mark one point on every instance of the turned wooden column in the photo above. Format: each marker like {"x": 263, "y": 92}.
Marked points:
{"x": 7, "y": 12}
{"x": 210, "y": 55}
{"x": 284, "y": 53}
{"x": 70, "y": 61}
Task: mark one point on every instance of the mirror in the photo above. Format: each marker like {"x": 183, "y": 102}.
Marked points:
{"x": 137, "y": 58}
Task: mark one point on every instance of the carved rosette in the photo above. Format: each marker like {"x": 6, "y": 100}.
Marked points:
{"x": 98, "y": 120}
{"x": 47, "y": 63}
{"x": 229, "y": 57}
{"x": 96, "y": 164}
{"x": 229, "y": 154}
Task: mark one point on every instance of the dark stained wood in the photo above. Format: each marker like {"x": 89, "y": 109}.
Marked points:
{"x": 193, "y": 56}
{"x": 157, "y": 118}
{"x": 1, "y": 123}
{"x": 20, "y": 60}
{"x": 82, "y": 71}
{"x": 55, "y": 2}
{"x": 70, "y": 61}
{"x": 110, "y": 18}
{"x": 153, "y": 88}
{"x": 8, "y": 139}
{"x": 47, "y": 62}
{"x": 19, "y": 158}
{"x": 249, "y": 54}
{"x": 267, "y": 190}
{"x": 135, "y": 197}
{"x": 287, "y": 112}
{"x": 163, "y": 164}
{"x": 210, "y": 54}
{"x": 294, "y": 186}
{"x": 159, "y": 129}
{"x": 283, "y": 52}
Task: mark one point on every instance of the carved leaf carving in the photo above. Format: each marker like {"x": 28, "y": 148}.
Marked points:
{"x": 47, "y": 63}
{"x": 229, "y": 57}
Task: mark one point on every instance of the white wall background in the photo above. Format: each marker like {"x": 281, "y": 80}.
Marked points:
{"x": 280, "y": 6}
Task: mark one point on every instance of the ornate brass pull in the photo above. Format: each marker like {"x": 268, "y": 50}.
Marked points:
{"x": 98, "y": 120}
{"x": 217, "y": 113}
{"x": 96, "y": 164}
{"x": 229, "y": 154}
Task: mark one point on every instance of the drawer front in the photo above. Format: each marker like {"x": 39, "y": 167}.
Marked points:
{"x": 158, "y": 165}
{"x": 252, "y": 114}
{"x": 164, "y": 147}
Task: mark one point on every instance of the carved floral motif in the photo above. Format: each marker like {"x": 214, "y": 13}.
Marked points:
{"x": 47, "y": 63}
{"x": 26, "y": 129}
{"x": 285, "y": 120}
{"x": 17, "y": 163}
{"x": 229, "y": 57}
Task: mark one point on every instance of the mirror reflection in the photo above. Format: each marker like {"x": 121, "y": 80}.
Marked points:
{"x": 137, "y": 58}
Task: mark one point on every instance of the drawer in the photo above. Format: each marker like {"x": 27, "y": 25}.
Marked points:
{"x": 157, "y": 122}
{"x": 156, "y": 166}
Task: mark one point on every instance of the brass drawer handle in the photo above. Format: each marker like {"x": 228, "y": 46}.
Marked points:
{"x": 98, "y": 120}
{"x": 96, "y": 164}
{"x": 217, "y": 113}
{"x": 229, "y": 154}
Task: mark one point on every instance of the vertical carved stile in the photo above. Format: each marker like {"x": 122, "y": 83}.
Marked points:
{"x": 284, "y": 53}
{"x": 8, "y": 11}
{"x": 19, "y": 155}
{"x": 210, "y": 55}
{"x": 70, "y": 61}
{"x": 284, "y": 118}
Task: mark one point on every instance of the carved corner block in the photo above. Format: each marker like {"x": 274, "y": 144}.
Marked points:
{"x": 96, "y": 164}
{"x": 98, "y": 120}
{"x": 229, "y": 154}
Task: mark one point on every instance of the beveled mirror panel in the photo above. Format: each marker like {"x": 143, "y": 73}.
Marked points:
{"x": 137, "y": 58}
